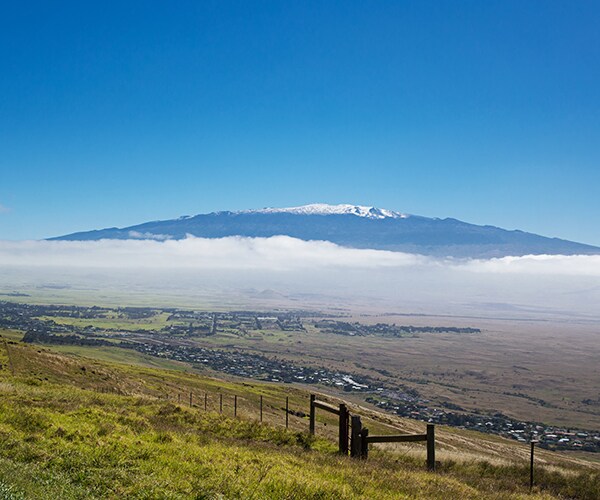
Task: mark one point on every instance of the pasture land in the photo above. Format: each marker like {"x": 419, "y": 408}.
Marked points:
{"x": 74, "y": 427}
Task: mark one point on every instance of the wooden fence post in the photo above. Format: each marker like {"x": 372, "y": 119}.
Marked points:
{"x": 531, "y": 465}
{"x": 311, "y": 425}
{"x": 431, "y": 447}
{"x": 191, "y": 404}
{"x": 235, "y": 406}
{"x": 205, "y": 401}
{"x": 343, "y": 431}
{"x": 287, "y": 411}
{"x": 355, "y": 443}
{"x": 220, "y": 403}
{"x": 261, "y": 409}
{"x": 364, "y": 444}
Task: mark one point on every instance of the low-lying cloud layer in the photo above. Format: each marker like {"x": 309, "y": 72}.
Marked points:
{"x": 296, "y": 266}
{"x": 566, "y": 265}
{"x": 278, "y": 253}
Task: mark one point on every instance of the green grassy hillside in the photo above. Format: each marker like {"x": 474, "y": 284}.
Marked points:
{"x": 75, "y": 427}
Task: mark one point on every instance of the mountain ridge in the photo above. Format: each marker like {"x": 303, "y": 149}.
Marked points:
{"x": 354, "y": 226}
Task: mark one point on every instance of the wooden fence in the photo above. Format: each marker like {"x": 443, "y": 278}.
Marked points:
{"x": 228, "y": 403}
{"x": 341, "y": 411}
{"x": 353, "y": 438}
{"x": 359, "y": 437}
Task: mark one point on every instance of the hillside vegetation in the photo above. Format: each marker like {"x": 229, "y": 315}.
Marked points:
{"x": 75, "y": 427}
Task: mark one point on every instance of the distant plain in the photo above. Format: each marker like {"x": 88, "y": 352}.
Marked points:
{"x": 529, "y": 367}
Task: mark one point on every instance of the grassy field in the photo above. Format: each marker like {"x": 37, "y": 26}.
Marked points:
{"x": 114, "y": 322}
{"x": 75, "y": 427}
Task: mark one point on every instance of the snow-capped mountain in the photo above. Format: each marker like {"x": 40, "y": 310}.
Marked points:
{"x": 353, "y": 226}
{"x": 325, "y": 209}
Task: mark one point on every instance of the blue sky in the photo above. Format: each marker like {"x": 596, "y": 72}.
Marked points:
{"x": 115, "y": 113}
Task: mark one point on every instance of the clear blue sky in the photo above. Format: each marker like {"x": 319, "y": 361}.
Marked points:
{"x": 115, "y": 113}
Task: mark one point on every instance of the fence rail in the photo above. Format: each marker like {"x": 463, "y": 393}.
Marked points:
{"x": 326, "y": 407}
{"x": 361, "y": 439}
{"x": 344, "y": 420}
{"x": 401, "y": 438}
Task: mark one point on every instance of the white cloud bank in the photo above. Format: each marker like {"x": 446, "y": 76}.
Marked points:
{"x": 566, "y": 265}
{"x": 296, "y": 267}
{"x": 278, "y": 253}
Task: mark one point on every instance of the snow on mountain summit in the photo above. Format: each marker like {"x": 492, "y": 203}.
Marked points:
{"x": 325, "y": 209}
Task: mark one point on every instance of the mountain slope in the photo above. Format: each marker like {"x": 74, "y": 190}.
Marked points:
{"x": 74, "y": 427}
{"x": 351, "y": 226}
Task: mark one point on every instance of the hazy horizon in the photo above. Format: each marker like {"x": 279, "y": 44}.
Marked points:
{"x": 244, "y": 267}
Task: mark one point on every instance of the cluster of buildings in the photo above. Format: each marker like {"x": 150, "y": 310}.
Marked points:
{"x": 384, "y": 329}
{"x": 249, "y": 365}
